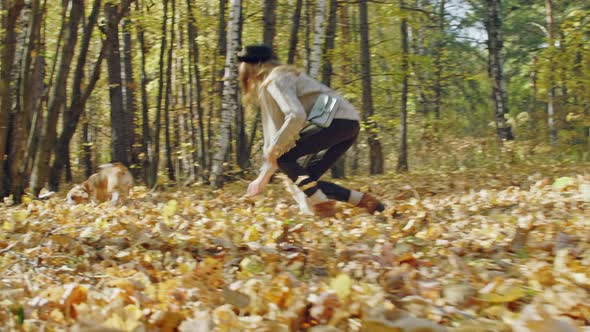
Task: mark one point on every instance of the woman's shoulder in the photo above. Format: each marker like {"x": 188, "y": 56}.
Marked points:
{"x": 286, "y": 70}
{"x": 283, "y": 73}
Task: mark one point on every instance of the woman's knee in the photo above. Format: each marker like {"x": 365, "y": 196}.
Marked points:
{"x": 287, "y": 167}
{"x": 287, "y": 158}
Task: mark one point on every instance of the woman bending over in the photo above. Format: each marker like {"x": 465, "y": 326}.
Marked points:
{"x": 286, "y": 98}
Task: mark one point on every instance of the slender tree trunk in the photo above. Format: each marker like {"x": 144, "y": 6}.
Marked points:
{"x": 211, "y": 114}
{"x": 337, "y": 170}
{"x": 354, "y": 163}
{"x": 493, "y": 25}
{"x": 327, "y": 68}
{"x": 440, "y": 48}
{"x": 147, "y": 144}
{"x": 28, "y": 93}
{"x": 533, "y": 98}
{"x": 269, "y": 22}
{"x": 241, "y": 139}
{"x": 87, "y": 144}
{"x": 192, "y": 33}
{"x": 10, "y": 12}
{"x": 120, "y": 142}
{"x": 318, "y": 34}
{"x": 38, "y": 89}
{"x": 215, "y": 109}
{"x": 308, "y": 4}
{"x": 221, "y": 44}
{"x": 375, "y": 151}
{"x": 563, "y": 50}
{"x": 129, "y": 92}
{"x": 80, "y": 96}
{"x": 355, "y": 68}
{"x": 57, "y": 99}
{"x": 551, "y": 79}
{"x": 38, "y": 122}
{"x": 384, "y": 65}
{"x": 417, "y": 70}
{"x": 210, "y": 139}
{"x": 402, "y": 160}
{"x": 167, "y": 96}
{"x": 184, "y": 143}
{"x": 229, "y": 92}
{"x": 293, "y": 38}
{"x": 242, "y": 151}
{"x": 253, "y": 132}
{"x": 68, "y": 162}
{"x": 155, "y": 160}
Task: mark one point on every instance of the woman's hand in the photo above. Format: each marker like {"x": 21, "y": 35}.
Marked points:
{"x": 257, "y": 186}
{"x": 269, "y": 167}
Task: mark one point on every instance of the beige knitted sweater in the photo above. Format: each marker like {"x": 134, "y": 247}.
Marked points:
{"x": 286, "y": 98}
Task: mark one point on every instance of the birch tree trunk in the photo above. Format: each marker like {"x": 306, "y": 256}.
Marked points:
{"x": 318, "y": 34}
{"x": 375, "y": 150}
{"x": 185, "y": 143}
{"x": 493, "y": 24}
{"x": 230, "y": 88}
{"x": 57, "y": 99}
{"x": 402, "y": 160}
{"x": 214, "y": 111}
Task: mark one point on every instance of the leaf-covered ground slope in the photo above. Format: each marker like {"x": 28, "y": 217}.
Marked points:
{"x": 504, "y": 250}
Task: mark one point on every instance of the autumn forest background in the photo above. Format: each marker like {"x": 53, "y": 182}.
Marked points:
{"x": 475, "y": 133}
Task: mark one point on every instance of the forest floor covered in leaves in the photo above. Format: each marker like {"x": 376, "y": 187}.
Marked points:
{"x": 476, "y": 250}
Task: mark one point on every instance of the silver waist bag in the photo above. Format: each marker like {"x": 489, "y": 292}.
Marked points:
{"x": 323, "y": 111}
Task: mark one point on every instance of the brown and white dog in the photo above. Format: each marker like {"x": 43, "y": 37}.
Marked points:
{"x": 112, "y": 181}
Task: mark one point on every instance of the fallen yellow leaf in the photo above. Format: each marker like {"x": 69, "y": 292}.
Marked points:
{"x": 341, "y": 285}
{"x": 511, "y": 294}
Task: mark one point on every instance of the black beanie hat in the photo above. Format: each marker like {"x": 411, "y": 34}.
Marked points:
{"x": 256, "y": 54}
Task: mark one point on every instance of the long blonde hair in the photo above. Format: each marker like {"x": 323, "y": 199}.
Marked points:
{"x": 251, "y": 75}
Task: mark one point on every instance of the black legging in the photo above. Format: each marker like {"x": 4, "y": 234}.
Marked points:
{"x": 337, "y": 139}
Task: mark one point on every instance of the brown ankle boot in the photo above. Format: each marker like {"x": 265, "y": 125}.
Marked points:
{"x": 371, "y": 203}
{"x": 325, "y": 209}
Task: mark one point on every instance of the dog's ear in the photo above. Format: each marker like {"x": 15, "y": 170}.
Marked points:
{"x": 86, "y": 186}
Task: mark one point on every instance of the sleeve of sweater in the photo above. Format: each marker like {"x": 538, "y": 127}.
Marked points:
{"x": 284, "y": 92}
